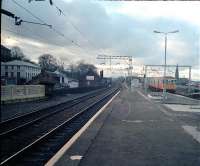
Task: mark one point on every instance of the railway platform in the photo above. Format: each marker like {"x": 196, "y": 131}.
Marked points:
{"x": 134, "y": 130}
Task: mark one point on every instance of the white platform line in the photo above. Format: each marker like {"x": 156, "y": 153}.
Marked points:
{"x": 143, "y": 95}
{"x": 61, "y": 152}
{"x": 181, "y": 96}
{"x": 191, "y": 130}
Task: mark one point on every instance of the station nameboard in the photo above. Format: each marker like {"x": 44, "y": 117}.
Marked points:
{"x": 89, "y": 78}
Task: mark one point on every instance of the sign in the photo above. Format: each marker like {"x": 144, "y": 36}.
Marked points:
{"x": 89, "y": 78}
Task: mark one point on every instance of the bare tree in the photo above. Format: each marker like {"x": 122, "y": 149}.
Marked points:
{"x": 83, "y": 68}
{"x": 16, "y": 53}
{"x": 80, "y": 69}
{"x": 48, "y": 62}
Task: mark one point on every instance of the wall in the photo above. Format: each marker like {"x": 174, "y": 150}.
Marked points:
{"x": 18, "y": 92}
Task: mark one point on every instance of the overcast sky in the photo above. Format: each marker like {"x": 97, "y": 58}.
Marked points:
{"x": 112, "y": 28}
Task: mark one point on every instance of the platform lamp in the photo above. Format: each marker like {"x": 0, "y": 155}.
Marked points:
{"x": 164, "y": 77}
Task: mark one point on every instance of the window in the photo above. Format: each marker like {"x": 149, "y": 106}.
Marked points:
{"x": 18, "y": 67}
{"x": 12, "y": 74}
{"x": 18, "y": 74}
{"x": 6, "y": 74}
{"x": 12, "y": 67}
{"x": 6, "y": 67}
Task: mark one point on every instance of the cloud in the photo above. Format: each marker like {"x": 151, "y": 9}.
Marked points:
{"x": 155, "y": 9}
{"x": 119, "y": 28}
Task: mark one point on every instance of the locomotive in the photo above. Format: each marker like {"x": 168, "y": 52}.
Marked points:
{"x": 157, "y": 84}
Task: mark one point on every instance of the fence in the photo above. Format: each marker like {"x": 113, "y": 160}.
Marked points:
{"x": 19, "y": 92}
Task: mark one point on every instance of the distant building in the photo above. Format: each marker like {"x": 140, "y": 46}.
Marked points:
{"x": 65, "y": 81}
{"x": 18, "y": 72}
{"x": 182, "y": 81}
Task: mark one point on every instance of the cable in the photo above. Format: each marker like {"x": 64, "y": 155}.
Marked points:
{"x": 20, "y": 34}
{"x": 55, "y": 30}
{"x": 72, "y": 24}
{"x": 28, "y": 11}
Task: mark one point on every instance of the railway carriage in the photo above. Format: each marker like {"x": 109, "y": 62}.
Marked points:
{"x": 157, "y": 84}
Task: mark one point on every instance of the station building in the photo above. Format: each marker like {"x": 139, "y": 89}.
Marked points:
{"x": 56, "y": 79}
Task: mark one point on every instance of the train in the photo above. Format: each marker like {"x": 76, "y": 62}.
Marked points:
{"x": 157, "y": 84}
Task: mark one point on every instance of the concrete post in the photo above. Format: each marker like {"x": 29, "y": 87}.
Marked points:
{"x": 145, "y": 80}
{"x": 164, "y": 78}
{"x": 189, "y": 82}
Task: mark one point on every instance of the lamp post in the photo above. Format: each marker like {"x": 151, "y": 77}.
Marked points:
{"x": 164, "y": 77}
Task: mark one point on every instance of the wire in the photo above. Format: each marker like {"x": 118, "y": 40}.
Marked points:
{"x": 61, "y": 12}
{"x": 72, "y": 24}
{"x": 55, "y": 30}
{"x": 20, "y": 34}
{"x": 35, "y": 23}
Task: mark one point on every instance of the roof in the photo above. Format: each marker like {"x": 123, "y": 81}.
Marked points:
{"x": 72, "y": 79}
{"x": 167, "y": 77}
{"x": 20, "y": 63}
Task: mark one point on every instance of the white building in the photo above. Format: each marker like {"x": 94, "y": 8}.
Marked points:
{"x": 65, "y": 81}
{"x": 73, "y": 83}
{"x": 17, "y": 70}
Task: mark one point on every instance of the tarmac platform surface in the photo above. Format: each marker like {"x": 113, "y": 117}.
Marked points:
{"x": 134, "y": 131}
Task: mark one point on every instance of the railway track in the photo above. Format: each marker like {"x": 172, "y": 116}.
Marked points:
{"x": 14, "y": 124}
{"x": 36, "y": 142}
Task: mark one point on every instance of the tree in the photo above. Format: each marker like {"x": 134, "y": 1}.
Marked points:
{"x": 16, "y": 53}
{"x": 83, "y": 68}
{"x": 80, "y": 70}
{"x": 48, "y": 62}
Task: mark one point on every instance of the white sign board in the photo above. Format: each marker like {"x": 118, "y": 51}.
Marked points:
{"x": 89, "y": 78}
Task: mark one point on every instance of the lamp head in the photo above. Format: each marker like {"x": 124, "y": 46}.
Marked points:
{"x": 156, "y": 31}
{"x": 176, "y": 31}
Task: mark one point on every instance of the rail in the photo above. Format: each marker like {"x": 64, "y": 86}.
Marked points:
{"x": 85, "y": 108}
{"x": 18, "y": 122}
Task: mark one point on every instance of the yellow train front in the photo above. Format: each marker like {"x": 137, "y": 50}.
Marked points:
{"x": 157, "y": 84}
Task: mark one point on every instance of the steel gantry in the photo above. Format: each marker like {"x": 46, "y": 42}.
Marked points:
{"x": 110, "y": 57}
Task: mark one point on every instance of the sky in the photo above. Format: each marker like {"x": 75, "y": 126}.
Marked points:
{"x": 96, "y": 27}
